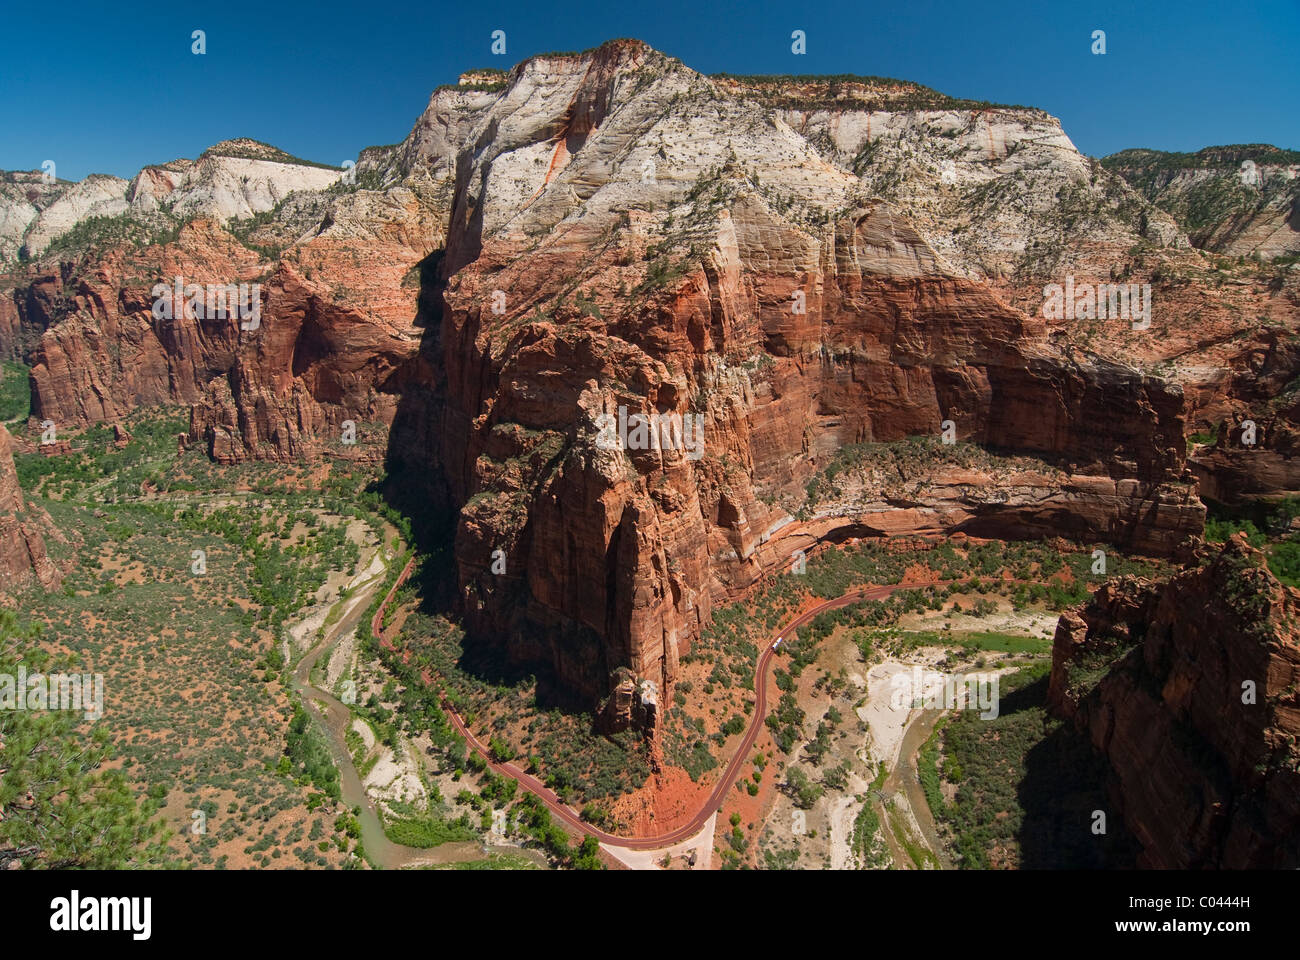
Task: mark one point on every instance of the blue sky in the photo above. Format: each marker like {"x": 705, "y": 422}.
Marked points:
{"x": 110, "y": 87}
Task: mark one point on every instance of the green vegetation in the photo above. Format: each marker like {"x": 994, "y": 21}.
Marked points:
{"x": 1246, "y": 592}
{"x": 1224, "y": 156}
{"x": 246, "y": 229}
{"x": 979, "y": 641}
{"x": 484, "y": 86}
{"x": 868, "y": 843}
{"x": 15, "y": 391}
{"x": 834, "y": 573}
{"x": 1267, "y": 527}
{"x": 284, "y": 579}
{"x": 62, "y": 808}
{"x": 728, "y": 648}
{"x": 828, "y": 91}
{"x": 918, "y": 853}
{"x": 96, "y": 466}
{"x": 200, "y": 713}
{"x": 362, "y": 180}
{"x": 256, "y": 150}
{"x": 927, "y": 769}
{"x": 786, "y": 724}
{"x": 307, "y": 755}
{"x": 494, "y": 861}
{"x": 430, "y": 831}
{"x": 1026, "y": 786}
{"x": 95, "y": 233}
{"x": 696, "y": 761}
{"x": 587, "y": 307}
{"x": 1210, "y": 437}
{"x": 535, "y": 820}
{"x": 1201, "y": 205}
{"x": 662, "y": 273}
{"x": 579, "y": 764}
{"x": 143, "y": 508}
{"x": 804, "y": 792}
{"x": 1284, "y": 561}
{"x": 1219, "y": 530}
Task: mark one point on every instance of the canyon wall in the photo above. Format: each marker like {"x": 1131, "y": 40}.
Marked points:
{"x": 831, "y": 280}
{"x": 23, "y": 529}
{"x": 608, "y": 250}
{"x": 1189, "y": 689}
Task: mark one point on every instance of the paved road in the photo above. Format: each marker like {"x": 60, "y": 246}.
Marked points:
{"x": 696, "y": 823}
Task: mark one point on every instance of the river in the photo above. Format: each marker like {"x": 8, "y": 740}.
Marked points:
{"x": 335, "y": 718}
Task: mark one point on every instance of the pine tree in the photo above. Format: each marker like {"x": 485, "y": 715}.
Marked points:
{"x": 58, "y": 807}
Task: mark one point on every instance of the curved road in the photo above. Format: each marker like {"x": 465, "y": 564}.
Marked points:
{"x": 696, "y": 823}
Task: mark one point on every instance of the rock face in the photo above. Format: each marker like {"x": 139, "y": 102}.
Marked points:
{"x": 609, "y": 250}
{"x": 96, "y": 196}
{"x": 1253, "y": 449}
{"x": 1188, "y": 688}
{"x": 817, "y": 283}
{"x": 234, "y": 179}
{"x": 429, "y": 150}
{"x": 1241, "y": 200}
{"x": 333, "y": 329}
{"x": 338, "y": 333}
{"x": 27, "y": 195}
{"x": 998, "y": 192}
{"x": 22, "y": 531}
{"x": 1249, "y": 458}
{"x": 110, "y": 355}
{"x": 231, "y": 181}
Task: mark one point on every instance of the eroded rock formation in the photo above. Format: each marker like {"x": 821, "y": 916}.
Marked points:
{"x": 608, "y": 250}
{"x": 1190, "y": 689}
{"x": 22, "y": 531}
{"x": 829, "y": 279}
{"x": 1249, "y": 458}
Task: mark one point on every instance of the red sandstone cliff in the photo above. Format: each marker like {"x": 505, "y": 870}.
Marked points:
{"x": 1156, "y": 675}
{"x": 798, "y": 269}
{"x": 109, "y": 355}
{"x": 792, "y": 319}
{"x": 22, "y": 531}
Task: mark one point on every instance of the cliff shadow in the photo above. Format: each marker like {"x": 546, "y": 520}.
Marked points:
{"x": 415, "y": 484}
{"x": 1065, "y": 781}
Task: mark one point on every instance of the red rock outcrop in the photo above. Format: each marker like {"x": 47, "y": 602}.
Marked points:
{"x": 334, "y": 328}
{"x": 22, "y": 531}
{"x": 1190, "y": 689}
{"x": 1250, "y": 458}
{"x": 791, "y": 333}
{"x": 109, "y": 354}
{"x": 318, "y": 362}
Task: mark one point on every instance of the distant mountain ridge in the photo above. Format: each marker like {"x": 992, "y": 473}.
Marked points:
{"x": 1241, "y": 200}
{"x": 233, "y": 179}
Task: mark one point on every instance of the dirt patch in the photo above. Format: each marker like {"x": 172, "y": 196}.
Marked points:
{"x": 395, "y": 777}
{"x": 663, "y": 803}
